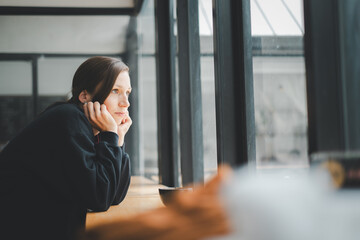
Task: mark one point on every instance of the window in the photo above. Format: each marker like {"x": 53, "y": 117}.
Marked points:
{"x": 147, "y": 91}
{"x": 16, "y": 105}
{"x": 54, "y": 79}
{"x": 207, "y": 87}
{"x": 279, "y": 83}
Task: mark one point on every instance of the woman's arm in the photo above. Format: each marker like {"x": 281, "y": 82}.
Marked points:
{"x": 124, "y": 178}
{"x": 97, "y": 173}
{"x": 101, "y": 120}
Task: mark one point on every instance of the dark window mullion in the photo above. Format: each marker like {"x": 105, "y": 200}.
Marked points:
{"x": 235, "y": 121}
{"x": 332, "y": 56}
{"x": 190, "y": 103}
{"x": 325, "y": 129}
{"x": 166, "y": 94}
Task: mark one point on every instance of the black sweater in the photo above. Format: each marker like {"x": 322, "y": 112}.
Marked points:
{"x": 54, "y": 171}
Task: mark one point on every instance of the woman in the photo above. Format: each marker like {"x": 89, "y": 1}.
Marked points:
{"x": 70, "y": 159}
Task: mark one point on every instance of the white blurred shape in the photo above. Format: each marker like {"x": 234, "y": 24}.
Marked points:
{"x": 274, "y": 206}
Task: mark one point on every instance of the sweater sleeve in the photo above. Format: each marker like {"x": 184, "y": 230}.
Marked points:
{"x": 124, "y": 178}
{"x": 99, "y": 174}
{"x": 123, "y": 171}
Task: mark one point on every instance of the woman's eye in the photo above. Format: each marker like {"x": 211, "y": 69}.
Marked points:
{"x": 115, "y": 91}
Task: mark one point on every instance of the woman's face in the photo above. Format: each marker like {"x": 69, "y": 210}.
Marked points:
{"x": 117, "y": 103}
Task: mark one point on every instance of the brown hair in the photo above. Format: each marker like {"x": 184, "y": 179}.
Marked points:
{"x": 97, "y": 76}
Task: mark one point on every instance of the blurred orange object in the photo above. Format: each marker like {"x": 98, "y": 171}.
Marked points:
{"x": 191, "y": 215}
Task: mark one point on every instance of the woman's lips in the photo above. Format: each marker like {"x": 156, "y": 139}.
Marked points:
{"x": 120, "y": 114}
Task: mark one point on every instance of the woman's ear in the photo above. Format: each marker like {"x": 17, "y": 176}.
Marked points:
{"x": 84, "y": 97}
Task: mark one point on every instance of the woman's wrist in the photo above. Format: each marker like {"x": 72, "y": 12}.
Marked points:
{"x": 121, "y": 141}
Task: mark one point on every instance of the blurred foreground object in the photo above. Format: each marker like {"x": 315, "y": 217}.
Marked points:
{"x": 191, "y": 215}
{"x": 296, "y": 204}
{"x": 344, "y": 167}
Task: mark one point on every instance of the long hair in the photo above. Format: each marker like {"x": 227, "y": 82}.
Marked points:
{"x": 97, "y": 76}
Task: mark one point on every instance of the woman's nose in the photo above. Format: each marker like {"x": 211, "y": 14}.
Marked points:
{"x": 124, "y": 102}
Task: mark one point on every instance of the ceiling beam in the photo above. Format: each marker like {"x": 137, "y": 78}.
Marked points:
{"x": 65, "y": 11}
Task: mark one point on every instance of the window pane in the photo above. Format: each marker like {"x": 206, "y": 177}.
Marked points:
{"x": 15, "y": 78}
{"x": 279, "y": 83}
{"x": 208, "y": 87}
{"x": 208, "y": 109}
{"x": 147, "y": 92}
{"x": 16, "y": 105}
{"x": 54, "y": 79}
{"x": 148, "y": 116}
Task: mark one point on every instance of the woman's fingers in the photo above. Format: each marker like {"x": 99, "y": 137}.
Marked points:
{"x": 99, "y": 117}
{"x": 103, "y": 109}
{"x": 128, "y": 121}
{"x": 123, "y": 128}
{"x": 97, "y": 111}
{"x": 86, "y": 111}
{"x": 90, "y": 108}
{"x": 125, "y": 123}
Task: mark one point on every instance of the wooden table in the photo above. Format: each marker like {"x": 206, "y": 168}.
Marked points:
{"x": 143, "y": 195}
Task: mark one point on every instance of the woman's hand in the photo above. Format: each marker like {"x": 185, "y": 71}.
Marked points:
{"x": 123, "y": 128}
{"x": 99, "y": 117}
